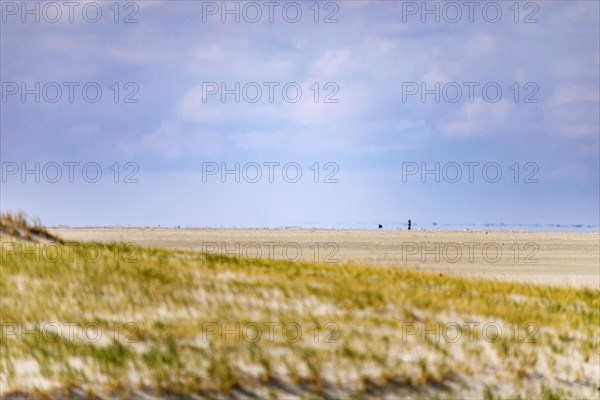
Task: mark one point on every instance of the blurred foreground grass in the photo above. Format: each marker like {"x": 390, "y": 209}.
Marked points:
{"x": 116, "y": 320}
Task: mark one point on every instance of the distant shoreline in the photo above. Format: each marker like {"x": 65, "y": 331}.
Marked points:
{"x": 533, "y": 229}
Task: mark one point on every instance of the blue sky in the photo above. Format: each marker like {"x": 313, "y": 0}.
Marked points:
{"x": 367, "y": 61}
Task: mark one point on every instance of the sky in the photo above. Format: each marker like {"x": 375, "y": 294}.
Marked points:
{"x": 315, "y": 114}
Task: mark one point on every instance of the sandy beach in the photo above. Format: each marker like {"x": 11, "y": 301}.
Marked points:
{"x": 555, "y": 258}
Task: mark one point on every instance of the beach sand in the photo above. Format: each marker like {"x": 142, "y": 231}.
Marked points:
{"x": 554, "y": 258}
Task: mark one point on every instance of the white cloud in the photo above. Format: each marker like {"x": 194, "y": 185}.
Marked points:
{"x": 171, "y": 141}
{"x": 332, "y": 63}
{"x": 479, "y": 118}
{"x": 195, "y": 106}
{"x": 567, "y": 94}
{"x": 573, "y": 111}
{"x": 480, "y": 45}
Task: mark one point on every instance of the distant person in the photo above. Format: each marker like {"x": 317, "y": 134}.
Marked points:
{"x": 409, "y": 224}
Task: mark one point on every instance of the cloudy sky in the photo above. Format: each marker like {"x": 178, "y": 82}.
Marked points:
{"x": 327, "y": 114}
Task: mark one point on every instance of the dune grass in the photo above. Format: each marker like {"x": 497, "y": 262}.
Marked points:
{"x": 114, "y": 319}
{"x": 21, "y": 226}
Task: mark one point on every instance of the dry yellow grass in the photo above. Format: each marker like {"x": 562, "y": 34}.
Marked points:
{"x": 121, "y": 320}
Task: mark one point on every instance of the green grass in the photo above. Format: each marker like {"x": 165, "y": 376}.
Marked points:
{"x": 161, "y": 317}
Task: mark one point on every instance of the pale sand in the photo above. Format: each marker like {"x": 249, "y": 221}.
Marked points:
{"x": 570, "y": 259}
